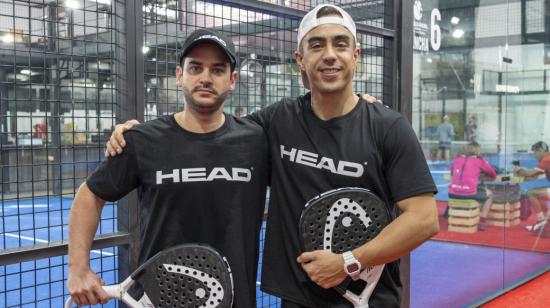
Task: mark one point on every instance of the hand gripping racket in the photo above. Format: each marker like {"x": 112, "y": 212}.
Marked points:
{"x": 341, "y": 220}
{"x": 188, "y": 275}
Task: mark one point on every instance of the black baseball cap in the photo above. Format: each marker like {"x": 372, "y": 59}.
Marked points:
{"x": 209, "y": 36}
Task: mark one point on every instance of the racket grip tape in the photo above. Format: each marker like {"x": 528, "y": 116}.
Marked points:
{"x": 112, "y": 291}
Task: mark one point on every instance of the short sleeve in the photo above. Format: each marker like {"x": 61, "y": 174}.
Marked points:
{"x": 263, "y": 117}
{"x": 116, "y": 176}
{"x": 405, "y": 167}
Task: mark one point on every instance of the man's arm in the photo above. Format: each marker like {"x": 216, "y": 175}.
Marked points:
{"x": 417, "y": 223}
{"x": 116, "y": 143}
{"x": 83, "y": 284}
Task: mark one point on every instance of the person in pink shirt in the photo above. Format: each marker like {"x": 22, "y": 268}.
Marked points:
{"x": 465, "y": 172}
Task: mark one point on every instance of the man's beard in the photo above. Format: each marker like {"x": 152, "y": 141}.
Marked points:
{"x": 201, "y": 107}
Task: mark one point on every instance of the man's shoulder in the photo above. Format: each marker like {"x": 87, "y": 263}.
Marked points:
{"x": 285, "y": 107}
{"x": 151, "y": 129}
{"x": 245, "y": 125}
{"x": 288, "y": 104}
{"x": 382, "y": 114}
{"x": 160, "y": 123}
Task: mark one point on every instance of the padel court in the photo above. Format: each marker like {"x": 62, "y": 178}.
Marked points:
{"x": 452, "y": 270}
{"x": 71, "y": 69}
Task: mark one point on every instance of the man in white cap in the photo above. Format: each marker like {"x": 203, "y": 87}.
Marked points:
{"x": 309, "y": 137}
{"x": 332, "y": 124}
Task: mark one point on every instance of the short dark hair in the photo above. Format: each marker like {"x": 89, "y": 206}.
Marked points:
{"x": 324, "y": 11}
{"x": 541, "y": 145}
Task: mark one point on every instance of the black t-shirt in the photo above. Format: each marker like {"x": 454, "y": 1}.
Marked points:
{"x": 195, "y": 188}
{"x": 371, "y": 147}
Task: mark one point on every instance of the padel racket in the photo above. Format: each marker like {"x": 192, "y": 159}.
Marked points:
{"x": 188, "y": 275}
{"x": 341, "y": 220}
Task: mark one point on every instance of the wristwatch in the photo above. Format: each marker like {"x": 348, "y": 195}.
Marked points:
{"x": 352, "y": 267}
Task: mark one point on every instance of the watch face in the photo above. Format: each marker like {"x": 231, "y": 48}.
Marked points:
{"x": 352, "y": 268}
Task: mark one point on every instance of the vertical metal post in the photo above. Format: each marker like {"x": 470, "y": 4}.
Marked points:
{"x": 54, "y": 125}
{"x": 443, "y": 102}
{"x": 403, "y": 50}
{"x": 465, "y": 114}
{"x": 4, "y": 132}
{"x": 130, "y": 98}
{"x": 421, "y": 130}
{"x": 389, "y": 71}
{"x": 403, "y": 55}
{"x": 524, "y": 39}
{"x": 500, "y": 134}
{"x": 546, "y": 34}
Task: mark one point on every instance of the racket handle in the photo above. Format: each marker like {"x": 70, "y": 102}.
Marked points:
{"x": 113, "y": 292}
{"x": 69, "y": 302}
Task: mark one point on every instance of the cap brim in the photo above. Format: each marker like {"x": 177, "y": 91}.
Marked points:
{"x": 232, "y": 60}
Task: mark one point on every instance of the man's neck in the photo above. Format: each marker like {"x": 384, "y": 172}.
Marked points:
{"x": 200, "y": 123}
{"x": 328, "y": 106}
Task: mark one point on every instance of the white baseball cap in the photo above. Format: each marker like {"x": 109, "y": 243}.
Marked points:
{"x": 310, "y": 21}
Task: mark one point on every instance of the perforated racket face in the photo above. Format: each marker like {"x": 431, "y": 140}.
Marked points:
{"x": 342, "y": 219}
{"x": 188, "y": 276}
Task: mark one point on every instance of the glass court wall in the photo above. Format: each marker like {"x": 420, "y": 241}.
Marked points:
{"x": 483, "y": 65}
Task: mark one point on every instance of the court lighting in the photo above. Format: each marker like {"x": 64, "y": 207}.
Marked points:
{"x": 72, "y": 4}
{"x": 455, "y": 20}
{"x": 29, "y": 72}
{"x": 458, "y": 33}
{"x": 429, "y": 60}
{"x": 145, "y": 49}
{"x": 160, "y": 10}
{"x": 8, "y": 38}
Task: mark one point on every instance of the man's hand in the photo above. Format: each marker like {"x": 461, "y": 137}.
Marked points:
{"x": 323, "y": 267}
{"x": 85, "y": 288}
{"x": 117, "y": 142}
{"x": 371, "y": 99}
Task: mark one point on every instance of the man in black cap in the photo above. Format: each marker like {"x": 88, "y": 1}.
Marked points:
{"x": 201, "y": 175}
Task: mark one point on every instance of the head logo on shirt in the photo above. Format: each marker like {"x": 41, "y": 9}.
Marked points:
{"x": 202, "y": 175}
{"x": 314, "y": 160}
